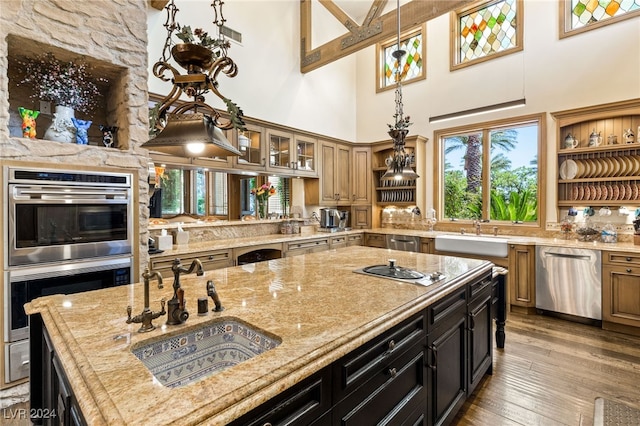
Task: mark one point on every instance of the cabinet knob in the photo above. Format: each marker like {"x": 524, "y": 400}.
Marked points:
{"x": 629, "y": 270}
{"x": 393, "y": 372}
{"x": 628, "y": 259}
{"x": 210, "y": 257}
{"x": 392, "y": 345}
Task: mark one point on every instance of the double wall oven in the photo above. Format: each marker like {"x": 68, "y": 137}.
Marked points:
{"x": 67, "y": 231}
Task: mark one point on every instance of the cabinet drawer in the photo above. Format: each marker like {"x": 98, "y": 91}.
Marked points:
{"x": 376, "y": 240}
{"x": 299, "y": 405}
{"x": 210, "y": 260}
{"x": 439, "y": 312}
{"x": 394, "y": 396}
{"x": 338, "y": 242}
{"x": 480, "y": 288}
{"x": 374, "y": 357}
{"x": 622, "y": 258}
{"x": 309, "y": 244}
{"x": 354, "y": 240}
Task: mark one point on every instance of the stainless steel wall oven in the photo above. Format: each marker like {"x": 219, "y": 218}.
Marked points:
{"x": 60, "y": 215}
{"x": 67, "y": 232}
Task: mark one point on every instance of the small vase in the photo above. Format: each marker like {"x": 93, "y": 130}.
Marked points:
{"x": 262, "y": 210}
{"x": 62, "y": 129}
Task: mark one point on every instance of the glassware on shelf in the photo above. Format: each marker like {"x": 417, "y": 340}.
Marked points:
{"x": 566, "y": 227}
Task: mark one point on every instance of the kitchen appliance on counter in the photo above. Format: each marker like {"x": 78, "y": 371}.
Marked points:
{"x": 67, "y": 231}
{"x": 568, "y": 281}
{"x": 329, "y": 218}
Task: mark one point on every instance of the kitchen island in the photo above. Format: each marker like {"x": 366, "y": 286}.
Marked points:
{"x": 318, "y": 308}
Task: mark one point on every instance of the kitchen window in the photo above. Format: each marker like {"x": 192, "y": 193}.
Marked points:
{"x": 487, "y": 31}
{"x": 413, "y": 65}
{"x": 194, "y": 191}
{"x": 491, "y": 171}
{"x": 585, "y": 15}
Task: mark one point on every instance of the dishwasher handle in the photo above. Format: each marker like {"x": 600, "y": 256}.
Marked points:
{"x": 567, "y": 255}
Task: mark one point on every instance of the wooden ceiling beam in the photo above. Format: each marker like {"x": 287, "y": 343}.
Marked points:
{"x": 158, "y": 4}
{"x": 380, "y": 28}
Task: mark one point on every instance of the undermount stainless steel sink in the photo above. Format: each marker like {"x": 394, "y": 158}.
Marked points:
{"x": 398, "y": 273}
{"x": 204, "y": 350}
{"x": 481, "y": 245}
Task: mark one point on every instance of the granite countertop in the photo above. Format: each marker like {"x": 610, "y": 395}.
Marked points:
{"x": 314, "y": 303}
{"x": 283, "y": 238}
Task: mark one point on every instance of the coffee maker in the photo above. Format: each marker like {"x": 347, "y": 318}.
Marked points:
{"x": 329, "y": 218}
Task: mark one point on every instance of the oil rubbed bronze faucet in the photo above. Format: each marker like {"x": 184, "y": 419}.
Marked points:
{"x": 147, "y": 314}
{"x": 177, "y": 313}
{"x": 211, "y": 292}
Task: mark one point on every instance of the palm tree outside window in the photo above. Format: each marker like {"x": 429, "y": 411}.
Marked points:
{"x": 491, "y": 173}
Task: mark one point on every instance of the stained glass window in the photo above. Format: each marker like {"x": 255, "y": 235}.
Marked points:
{"x": 412, "y": 63}
{"x": 585, "y": 13}
{"x": 487, "y": 30}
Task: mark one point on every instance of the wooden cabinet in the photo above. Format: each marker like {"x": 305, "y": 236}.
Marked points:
{"x": 52, "y": 402}
{"x": 361, "y": 216}
{"x": 621, "y": 292}
{"x": 480, "y": 315}
{"x": 251, "y": 144}
{"x": 522, "y": 278}
{"x": 307, "y": 246}
{"x": 606, "y": 172}
{"x": 305, "y": 156}
{"x": 375, "y": 240}
{"x": 212, "y": 259}
{"x": 426, "y": 245}
{"x": 361, "y": 175}
{"x": 355, "y": 240}
{"x": 393, "y": 192}
{"x": 299, "y": 405}
{"x": 333, "y": 185}
{"x": 446, "y": 359}
{"x": 279, "y": 150}
{"x": 338, "y": 241}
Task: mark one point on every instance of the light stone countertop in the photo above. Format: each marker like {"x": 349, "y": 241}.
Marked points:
{"x": 191, "y": 247}
{"x": 318, "y": 307}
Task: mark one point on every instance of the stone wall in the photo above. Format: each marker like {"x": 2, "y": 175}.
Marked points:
{"x": 111, "y": 36}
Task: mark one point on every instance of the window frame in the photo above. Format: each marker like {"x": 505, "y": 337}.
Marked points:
{"x": 380, "y": 47}
{"x": 564, "y": 20}
{"x": 446, "y": 224}
{"x": 454, "y": 41}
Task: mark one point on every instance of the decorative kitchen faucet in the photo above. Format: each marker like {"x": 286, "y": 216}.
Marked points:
{"x": 147, "y": 314}
{"x": 177, "y": 313}
{"x": 211, "y": 291}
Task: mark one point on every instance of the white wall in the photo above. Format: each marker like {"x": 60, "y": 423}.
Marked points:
{"x": 269, "y": 85}
{"x": 592, "y": 68}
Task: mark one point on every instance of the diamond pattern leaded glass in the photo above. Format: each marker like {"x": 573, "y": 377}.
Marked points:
{"x": 586, "y": 12}
{"x": 488, "y": 30}
{"x": 412, "y": 60}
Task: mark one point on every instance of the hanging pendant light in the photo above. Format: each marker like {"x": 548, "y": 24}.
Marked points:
{"x": 194, "y": 128}
{"x": 399, "y": 164}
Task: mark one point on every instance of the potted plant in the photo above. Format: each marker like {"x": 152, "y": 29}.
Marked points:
{"x": 67, "y": 84}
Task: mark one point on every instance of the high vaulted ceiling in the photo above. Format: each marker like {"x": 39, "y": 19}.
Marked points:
{"x": 365, "y": 22}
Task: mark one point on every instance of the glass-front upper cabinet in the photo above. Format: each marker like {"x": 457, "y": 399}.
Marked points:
{"x": 306, "y": 156}
{"x": 279, "y": 150}
{"x": 250, "y": 143}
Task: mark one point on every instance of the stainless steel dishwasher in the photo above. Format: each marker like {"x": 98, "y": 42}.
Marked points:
{"x": 568, "y": 281}
{"x": 403, "y": 242}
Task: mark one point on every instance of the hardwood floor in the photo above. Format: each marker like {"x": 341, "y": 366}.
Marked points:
{"x": 550, "y": 373}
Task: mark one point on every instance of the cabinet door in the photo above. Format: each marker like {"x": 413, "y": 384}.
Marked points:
{"x": 328, "y": 184}
{"x": 361, "y": 175}
{"x": 305, "y": 156}
{"x": 342, "y": 173}
{"x": 480, "y": 332}
{"x": 278, "y": 149}
{"x": 375, "y": 240}
{"x": 361, "y": 217}
{"x": 522, "y": 278}
{"x": 251, "y": 145}
{"x": 621, "y": 295}
{"x": 426, "y": 245}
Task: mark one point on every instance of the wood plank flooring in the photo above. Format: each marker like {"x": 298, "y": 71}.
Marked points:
{"x": 550, "y": 373}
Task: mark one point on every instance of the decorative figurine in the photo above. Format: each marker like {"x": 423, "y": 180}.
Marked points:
{"x": 595, "y": 139}
{"x": 628, "y": 136}
{"x": 28, "y": 122}
{"x": 81, "y": 130}
{"x": 108, "y": 135}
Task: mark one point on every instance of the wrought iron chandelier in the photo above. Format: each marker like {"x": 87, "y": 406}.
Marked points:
{"x": 399, "y": 165}
{"x": 194, "y": 128}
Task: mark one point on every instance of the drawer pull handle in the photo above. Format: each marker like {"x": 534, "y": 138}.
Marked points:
{"x": 210, "y": 257}
{"x": 628, "y": 269}
{"x": 472, "y": 322}
{"x": 628, "y": 259}
{"x": 392, "y": 345}
{"x": 434, "y": 364}
{"x": 393, "y": 372}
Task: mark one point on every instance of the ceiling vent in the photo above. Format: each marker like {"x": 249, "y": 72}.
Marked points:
{"x": 232, "y": 34}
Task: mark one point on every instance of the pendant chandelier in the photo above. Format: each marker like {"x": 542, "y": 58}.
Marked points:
{"x": 399, "y": 164}
{"x": 194, "y": 128}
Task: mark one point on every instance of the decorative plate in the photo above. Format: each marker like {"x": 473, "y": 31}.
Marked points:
{"x": 580, "y": 193}
{"x": 568, "y": 169}
{"x": 628, "y": 191}
{"x": 574, "y": 193}
{"x": 635, "y": 188}
{"x": 587, "y": 193}
{"x": 603, "y": 191}
{"x": 616, "y": 193}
